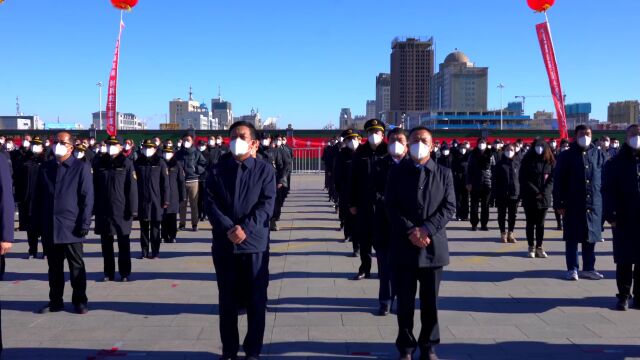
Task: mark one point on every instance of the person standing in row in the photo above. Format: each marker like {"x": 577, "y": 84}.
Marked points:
{"x": 153, "y": 198}
{"x": 62, "y": 208}
{"x": 536, "y": 179}
{"x": 362, "y": 191}
{"x": 506, "y": 192}
{"x": 283, "y": 169}
{"x": 7, "y": 210}
{"x": 479, "y": 184}
{"x": 459, "y": 170}
{"x": 621, "y": 197}
{"x": 577, "y": 196}
{"x": 177, "y": 194}
{"x": 193, "y": 164}
{"x": 342, "y": 173}
{"x": 116, "y": 205}
{"x": 241, "y": 192}
{"x": 420, "y": 201}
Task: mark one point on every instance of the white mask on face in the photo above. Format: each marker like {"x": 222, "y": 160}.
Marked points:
{"x": 446, "y": 152}
{"x": 584, "y": 141}
{"x": 114, "y": 150}
{"x": 564, "y": 148}
{"x": 212, "y": 142}
{"x": 509, "y": 154}
{"x": 463, "y": 150}
{"x": 634, "y": 142}
{"x": 78, "y": 154}
{"x": 616, "y": 145}
{"x": 279, "y": 143}
{"x": 375, "y": 139}
{"x": 202, "y": 148}
{"x": 419, "y": 151}
{"x": 553, "y": 144}
{"x": 60, "y": 150}
{"x": 239, "y": 147}
{"x": 218, "y": 141}
{"x": 341, "y": 139}
{"x": 168, "y": 156}
{"x": 2, "y": 141}
{"x": 127, "y": 147}
{"x": 187, "y": 144}
{"x": 396, "y": 149}
{"x": 353, "y": 144}
{"x": 36, "y": 149}
{"x": 179, "y": 143}
{"x": 266, "y": 142}
{"x": 92, "y": 142}
{"x": 26, "y": 144}
{"x": 9, "y": 146}
{"x": 606, "y": 144}
{"x": 47, "y": 143}
{"x": 482, "y": 146}
{"x": 539, "y": 150}
{"x": 149, "y": 152}
{"x": 103, "y": 149}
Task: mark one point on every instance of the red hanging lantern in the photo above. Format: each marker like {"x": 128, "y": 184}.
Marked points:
{"x": 124, "y": 4}
{"x": 540, "y": 5}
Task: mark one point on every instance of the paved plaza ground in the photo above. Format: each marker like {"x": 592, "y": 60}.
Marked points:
{"x": 495, "y": 303}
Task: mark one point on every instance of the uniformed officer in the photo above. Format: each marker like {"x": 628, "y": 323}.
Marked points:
{"x": 153, "y": 197}
{"x": 342, "y": 173}
{"x": 241, "y": 192}
{"x": 62, "y": 208}
{"x": 283, "y": 164}
{"x": 289, "y": 149}
{"x": 420, "y": 202}
{"x": 116, "y": 205}
{"x": 177, "y": 194}
{"x": 362, "y": 199}
{"x": 7, "y": 209}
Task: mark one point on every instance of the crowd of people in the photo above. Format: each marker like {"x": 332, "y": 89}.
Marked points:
{"x": 395, "y": 194}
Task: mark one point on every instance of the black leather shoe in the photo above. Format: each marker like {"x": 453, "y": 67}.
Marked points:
{"x": 51, "y": 309}
{"x": 361, "y": 276}
{"x": 428, "y": 354}
{"x": 107, "y": 278}
{"x": 384, "y": 310}
{"x": 636, "y": 303}
{"x": 484, "y": 228}
{"x": 125, "y": 279}
{"x": 81, "y": 309}
{"x": 474, "y": 228}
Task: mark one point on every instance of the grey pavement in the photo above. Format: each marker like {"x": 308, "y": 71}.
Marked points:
{"x": 495, "y": 303}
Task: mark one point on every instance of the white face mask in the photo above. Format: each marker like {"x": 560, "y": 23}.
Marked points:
{"x": 463, "y": 150}
{"x": 36, "y": 149}
{"x": 375, "y": 139}
{"x": 187, "y": 144}
{"x": 2, "y": 142}
{"x": 127, "y": 147}
{"x": 489, "y": 146}
{"x": 9, "y": 146}
{"x": 179, "y": 143}
{"x": 499, "y": 146}
{"x": 564, "y": 148}
{"x": 446, "y": 152}
{"x": 212, "y": 142}
{"x": 419, "y": 151}
{"x": 103, "y": 149}
{"x": 341, "y": 139}
{"x": 239, "y": 147}
{"x": 553, "y": 144}
{"x": 482, "y": 146}
{"x": 78, "y": 154}
{"x": 60, "y": 150}
{"x": 584, "y": 141}
{"x": 606, "y": 144}
{"x": 396, "y": 149}
{"x": 114, "y": 150}
{"x": 279, "y": 143}
{"x": 634, "y": 142}
{"x": 266, "y": 142}
{"x": 47, "y": 143}
{"x": 509, "y": 154}
{"x": 92, "y": 142}
{"x": 149, "y": 152}
{"x": 202, "y": 148}
{"x": 616, "y": 145}
{"x": 353, "y": 144}
{"x": 26, "y": 144}
{"x": 219, "y": 142}
{"x": 168, "y": 156}
{"x": 539, "y": 150}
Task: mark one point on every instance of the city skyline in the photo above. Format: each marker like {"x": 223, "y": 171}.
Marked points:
{"x": 305, "y": 76}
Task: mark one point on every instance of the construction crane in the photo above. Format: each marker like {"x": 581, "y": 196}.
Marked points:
{"x": 524, "y": 98}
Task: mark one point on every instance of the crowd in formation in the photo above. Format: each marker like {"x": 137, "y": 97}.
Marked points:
{"x": 395, "y": 194}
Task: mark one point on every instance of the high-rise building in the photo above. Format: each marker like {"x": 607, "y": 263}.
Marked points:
{"x": 179, "y": 107}
{"x": 253, "y": 118}
{"x": 459, "y": 85}
{"x": 383, "y": 94}
{"x": 371, "y": 109}
{"x": 223, "y": 111}
{"x": 125, "y": 121}
{"x": 411, "y": 72}
{"x": 624, "y": 112}
{"x": 577, "y": 114}
{"x": 345, "y": 118}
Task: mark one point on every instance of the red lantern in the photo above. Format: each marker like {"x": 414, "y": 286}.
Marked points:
{"x": 124, "y": 4}
{"x": 540, "y": 5}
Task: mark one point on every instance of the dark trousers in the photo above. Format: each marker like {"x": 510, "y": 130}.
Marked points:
{"x": 406, "y": 281}
{"x": 386, "y": 293}
{"x": 3, "y": 266}
{"x": 588, "y": 255}
{"x": 349, "y": 224}
{"x": 201, "y": 196}
{"x": 150, "y": 235}
{"x": 281, "y": 194}
{"x": 462, "y": 202}
{"x": 245, "y": 275}
{"x": 32, "y": 239}
{"x": 124, "y": 255}
{"x": 558, "y": 219}
{"x": 535, "y": 224}
{"x": 56, "y": 254}
{"x": 480, "y": 198}
{"x": 169, "y": 229}
{"x": 627, "y": 275}
{"x": 510, "y": 207}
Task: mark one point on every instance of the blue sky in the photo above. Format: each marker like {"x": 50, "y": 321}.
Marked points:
{"x": 301, "y": 60}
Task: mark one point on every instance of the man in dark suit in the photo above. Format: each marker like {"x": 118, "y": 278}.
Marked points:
{"x": 62, "y": 208}
{"x": 7, "y": 207}
{"x": 241, "y": 194}
{"x": 420, "y": 201}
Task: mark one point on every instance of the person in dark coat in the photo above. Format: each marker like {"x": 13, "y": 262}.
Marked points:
{"x": 62, "y": 208}
{"x": 194, "y": 165}
{"x": 479, "y": 184}
{"x": 25, "y": 187}
{"x": 621, "y": 201}
{"x": 328, "y": 158}
{"x": 362, "y": 191}
{"x": 577, "y": 196}
{"x": 284, "y": 166}
{"x": 116, "y": 204}
{"x": 397, "y": 151}
{"x": 536, "y": 185}
{"x": 459, "y": 170}
{"x": 241, "y": 192}
{"x": 153, "y": 198}
{"x": 420, "y": 202}
{"x": 446, "y": 158}
{"x": 7, "y": 210}
{"x": 506, "y": 192}
{"x": 177, "y": 194}
{"x": 342, "y": 172}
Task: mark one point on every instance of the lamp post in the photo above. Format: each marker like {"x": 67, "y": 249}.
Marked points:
{"x": 501, "y": 87}
{"x": 99, "y": 84}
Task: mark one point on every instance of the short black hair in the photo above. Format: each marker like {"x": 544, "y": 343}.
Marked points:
{"x": 252, "y": 128}
{"x": 420, "y": 128}
{"x": 185, "y": 135}
{"x": 632, "y": 126}
{"x": 581, "y": 127}
{"x": 398, "y": 131}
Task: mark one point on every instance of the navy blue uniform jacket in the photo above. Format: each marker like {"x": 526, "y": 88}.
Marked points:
{"x": 420, "y": 196}
{"x": 240, "y": 194}
{"x": 63, "y": 201}
{"x": 116, "y": 201}
{"x": 7, "y": 206}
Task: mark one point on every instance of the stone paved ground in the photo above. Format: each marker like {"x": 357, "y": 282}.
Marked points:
{"x": 495, "y": 303}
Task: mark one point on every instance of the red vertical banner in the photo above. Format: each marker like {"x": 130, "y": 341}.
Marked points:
{"x": 549, "y": 56}
{"x": 112, "y": 121}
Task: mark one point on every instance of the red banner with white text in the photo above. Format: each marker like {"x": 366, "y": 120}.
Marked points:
{"x": 112, "y": 121}
{"x": 549, "y": 56}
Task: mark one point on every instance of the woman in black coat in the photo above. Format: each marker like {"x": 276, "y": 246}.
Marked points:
{"x": 506, "y": 191}
{"x": 479, "y": 183}
{"x": 536, "y": 185}
{"x": 177, "y": 194}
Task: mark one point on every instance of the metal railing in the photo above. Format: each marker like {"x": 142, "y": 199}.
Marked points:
{"x": 307, "y": 161}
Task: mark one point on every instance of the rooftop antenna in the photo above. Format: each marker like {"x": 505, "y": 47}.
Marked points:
{"x": 190, "y": 93}
{"x": 18, "y": 113}
{"x": 219, "y": 93}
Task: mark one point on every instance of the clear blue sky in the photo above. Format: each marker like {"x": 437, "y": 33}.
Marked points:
{"x": 302, "y": 60}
